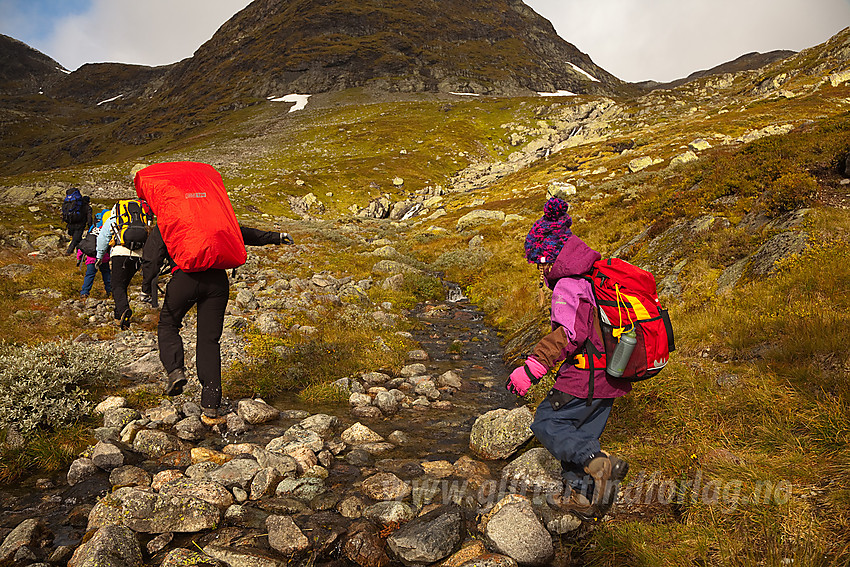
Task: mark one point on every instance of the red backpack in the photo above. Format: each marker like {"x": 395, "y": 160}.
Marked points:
{"x": 625, "y": 297}
{"x": 194, "y": 215}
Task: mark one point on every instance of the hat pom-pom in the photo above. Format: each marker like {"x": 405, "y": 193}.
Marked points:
{"x": 555, "y": 208}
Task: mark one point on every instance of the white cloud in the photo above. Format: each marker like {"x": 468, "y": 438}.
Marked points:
{"x": 669, "y": 39}
{"x": 150, "y": 32}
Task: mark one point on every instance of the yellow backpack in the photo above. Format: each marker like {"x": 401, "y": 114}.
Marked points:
{"x": 132, "y": 221}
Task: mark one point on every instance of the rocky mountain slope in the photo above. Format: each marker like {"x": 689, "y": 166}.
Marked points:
{"x": 273, "y": 48}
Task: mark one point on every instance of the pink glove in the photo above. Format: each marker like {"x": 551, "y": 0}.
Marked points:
{"x": 523, "y": 377}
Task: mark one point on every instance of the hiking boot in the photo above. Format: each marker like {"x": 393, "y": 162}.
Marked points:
{"x": 124, "y": 321}
{"x": 576, "y": 503}
{"x": 607, "y": 471}
{"x": 144, "y": 297}
{"x": 84, "y": 297}
{"x": 176, "y": 382}
{"x": 210, "y": 417}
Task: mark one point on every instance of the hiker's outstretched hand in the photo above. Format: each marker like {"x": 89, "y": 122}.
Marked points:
{"x": 518, "y": 382}
{"x": 523, "y": 377}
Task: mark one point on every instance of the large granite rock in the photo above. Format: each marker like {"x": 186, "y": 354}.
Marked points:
{"x": 499, "y": 433}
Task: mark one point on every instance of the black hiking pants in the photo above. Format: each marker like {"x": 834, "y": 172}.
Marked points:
{"x": 209, "y": 290}
{"x": 76, "y": 234}
{"x": 123, "y": 270}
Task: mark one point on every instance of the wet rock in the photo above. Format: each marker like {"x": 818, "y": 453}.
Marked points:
{"x": 107, "y": 456}
{"x": 238, "y": 472}
{"x": 399, "y": 437}
{"x": 438, "y": 469}
{"x": 387, "y": 403}
{"x": 81, "y": 469}
{"x": 243, "y": 556}
{"x": 468, "y": 552}
{"x": 205, "y": 490}
{"x": 428, "y": 389}
{"x": 31, "y": 534}
{"x": 323, "y": 424}
{"x": 295, "y": 437}
{"x": 325, "y": 530}
{"x": 351, "y": 507}
{"x": 304, "y": 489}
{"x": 154, "y": 443}
{"x": 285, "y": 465}
{"x": 449, "y": 379}
{"x": 364, "y": 546}
{"x": 358, "y": 434}
{"x": 256, "y": 412}
{"x": 536, "y": 470}
{"x": 428, "y": 538}
{"x": 236, "y": 425}
{"x": 359, "y": 458}
{"x": 129, "y": 475}
{"x": 206, "y": 455}
{"x": 188, "y": 558}
{"x": 366, "y": 412}
{"x": 246, "y": 516}
{"x": 385, "y": 486}
{"x": 412, "y": 370}
{"x": 514, "y": 530}
{"x": 499, "y": 433}
{"x": 265, "y": 482}
{"x": 390, "y": 512}
{"x": 285, "y": 537}
{"x": 191, "y": 429}
{"x": 110, "y": 546}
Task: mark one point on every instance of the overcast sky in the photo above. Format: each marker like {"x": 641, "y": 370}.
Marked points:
{"x": 635, "y": 40}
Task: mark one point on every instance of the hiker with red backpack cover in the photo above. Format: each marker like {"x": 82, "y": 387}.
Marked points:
{"x": 198, "y": 233}
{"x": 570, "y": 421}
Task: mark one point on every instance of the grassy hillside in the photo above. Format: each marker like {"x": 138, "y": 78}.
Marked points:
{"x": 739, "y": 448}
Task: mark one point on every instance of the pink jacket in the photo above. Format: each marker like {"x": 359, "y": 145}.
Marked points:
{"x": 90, "y": 260}
{"x": 573, "y": 312}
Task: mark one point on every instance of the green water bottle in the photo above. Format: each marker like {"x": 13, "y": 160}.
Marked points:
{"x": 620, "y": 357}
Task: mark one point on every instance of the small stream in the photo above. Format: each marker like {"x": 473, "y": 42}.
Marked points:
{"x": 455, "y": 337}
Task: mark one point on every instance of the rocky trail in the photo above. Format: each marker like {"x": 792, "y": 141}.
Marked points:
{"x": 415, "y": 470}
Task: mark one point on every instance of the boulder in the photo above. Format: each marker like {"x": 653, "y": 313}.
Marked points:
{"x": 513, "y": 529}
{"x": 256, "y": 412}
{"x": 385, "y": 486}
{"x": 110, "y": 546}
{"x": 536, "y": 470}
{"x": 205, "y": 490}
{"x": 31, "y": 534}
{"x": 364, "y": 546}
{"x": 189, "y": 558}
{"x": 358, "y": 434}
{"x": 284, "y": 536}
{"x": 499, "y": 433}
{"x": 479, "y": 217}
{"x": 429, "y": 538}
{"x": 390, "y": 512}
{"x": 154, "y": 443}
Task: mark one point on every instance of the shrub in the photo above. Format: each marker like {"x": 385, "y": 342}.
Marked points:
{"x": 43, "y": 386}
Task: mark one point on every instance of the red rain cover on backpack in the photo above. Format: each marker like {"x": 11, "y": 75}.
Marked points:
{"x": 626, "y": 297}
{"x": 194, "y": 215}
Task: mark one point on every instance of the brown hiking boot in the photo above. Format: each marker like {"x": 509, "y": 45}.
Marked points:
{"x": 607, "y": 471}
{"x": 576, "y": 503}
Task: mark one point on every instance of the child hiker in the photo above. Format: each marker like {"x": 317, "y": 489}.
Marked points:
{"x": 571, "y": 419}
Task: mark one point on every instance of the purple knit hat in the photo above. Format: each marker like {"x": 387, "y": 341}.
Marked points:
{"x": 548, "y": 235}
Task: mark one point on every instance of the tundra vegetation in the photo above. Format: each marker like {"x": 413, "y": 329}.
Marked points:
{"x": 755, "y": 400}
